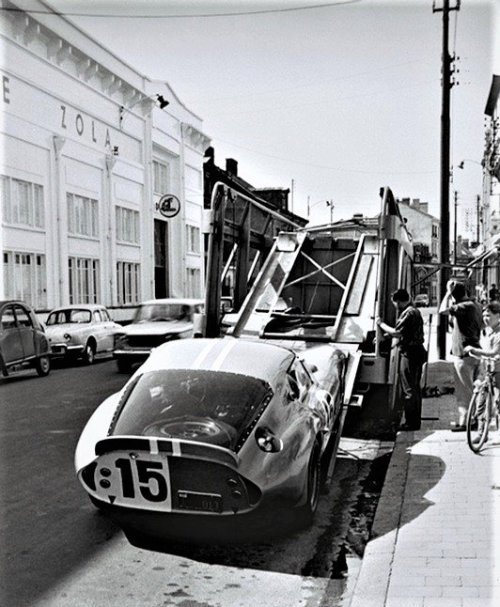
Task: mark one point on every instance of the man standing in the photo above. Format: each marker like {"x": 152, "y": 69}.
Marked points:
{"x": 410, "y": 331}
{"x": 466, "y": 321}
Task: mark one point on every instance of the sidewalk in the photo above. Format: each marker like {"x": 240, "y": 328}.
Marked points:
{"x": 436, "y": 534}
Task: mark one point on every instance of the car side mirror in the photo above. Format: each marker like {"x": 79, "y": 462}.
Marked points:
{"x": 267, "y": 441}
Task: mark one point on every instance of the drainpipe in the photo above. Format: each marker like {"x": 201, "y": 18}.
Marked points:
{"x": 59, "y": 252}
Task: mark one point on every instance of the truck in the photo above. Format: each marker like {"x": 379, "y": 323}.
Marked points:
{"x": 317, "y": 286}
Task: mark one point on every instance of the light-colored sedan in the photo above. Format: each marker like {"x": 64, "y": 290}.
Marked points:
{"x": 155, "y": 322}
{"x": 81, "y": 331}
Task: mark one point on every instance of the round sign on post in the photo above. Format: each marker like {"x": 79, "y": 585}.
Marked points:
{"x": 168, "y": 205}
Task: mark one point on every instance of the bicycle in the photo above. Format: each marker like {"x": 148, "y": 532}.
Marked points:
{"x": 483, "y": 407}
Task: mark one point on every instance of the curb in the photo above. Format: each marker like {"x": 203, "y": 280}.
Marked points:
{"x": 373, "y": 581}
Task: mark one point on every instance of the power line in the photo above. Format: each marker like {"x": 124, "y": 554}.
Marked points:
{"x": 182, "y": 16}
{"x": 320, "y": 166}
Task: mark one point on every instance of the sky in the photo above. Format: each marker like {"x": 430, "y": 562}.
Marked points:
{"x": 330, "y": 99}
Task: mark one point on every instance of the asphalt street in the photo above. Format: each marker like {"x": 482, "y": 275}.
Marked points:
{"x": 58, "y": 550}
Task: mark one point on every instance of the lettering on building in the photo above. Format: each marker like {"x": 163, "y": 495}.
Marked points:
{"x": 84, "y": 126}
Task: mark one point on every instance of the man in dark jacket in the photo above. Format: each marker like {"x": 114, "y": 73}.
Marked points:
{"x": 412, "y": 355}
{"x": 466, "y": 319}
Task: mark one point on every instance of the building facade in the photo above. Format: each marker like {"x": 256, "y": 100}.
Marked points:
{"x": 425, "y": 231}
{"x": 90, "y": 148}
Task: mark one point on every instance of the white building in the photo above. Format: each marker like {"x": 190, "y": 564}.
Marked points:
{"x": 491, "y": 160}
{"x": 86, "y": 155}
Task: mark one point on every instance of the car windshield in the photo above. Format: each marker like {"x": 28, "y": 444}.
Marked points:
{"x": 163, "y": 311}
{"x": 73, "y": 315}
{"x": 207, "y": 406}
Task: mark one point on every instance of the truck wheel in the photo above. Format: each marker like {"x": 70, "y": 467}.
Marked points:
{"x": 42, "y": 366}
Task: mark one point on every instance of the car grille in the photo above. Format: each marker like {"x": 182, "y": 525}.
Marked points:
{"x": 145, "y": 341}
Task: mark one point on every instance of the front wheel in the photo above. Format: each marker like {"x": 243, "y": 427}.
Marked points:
{"x": 308, "y": 510}
{"x": 478, "y": 418}
{"x": 88, "y": 355}
{"x": 42, "y": 366}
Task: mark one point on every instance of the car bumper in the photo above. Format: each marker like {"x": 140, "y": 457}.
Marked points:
{"x": 155, "y": 530}
{"x": 66, "y": 350}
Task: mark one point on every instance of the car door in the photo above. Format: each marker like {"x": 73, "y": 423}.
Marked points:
{"x": 97, "y": 330}
{"x": 26, "y": 330}
{"x": 10, "y": 341}
{"x": 108, "y": 330}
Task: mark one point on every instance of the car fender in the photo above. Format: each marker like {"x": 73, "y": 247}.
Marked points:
{"x": 282, "y": 474}
{"x": 95, "y": 429}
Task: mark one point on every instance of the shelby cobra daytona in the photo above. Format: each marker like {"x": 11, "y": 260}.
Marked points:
{"x": 214, "y": 429}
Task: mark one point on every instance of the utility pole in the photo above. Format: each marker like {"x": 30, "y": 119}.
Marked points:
{"x": 478, "y": 213}
{"x": 455, "y": 230}
{"x": 444, "y": 257}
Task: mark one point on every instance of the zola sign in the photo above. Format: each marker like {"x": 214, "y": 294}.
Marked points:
{"x": 168, "y": 205}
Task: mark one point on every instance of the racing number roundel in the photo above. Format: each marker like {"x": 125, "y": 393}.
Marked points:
{"x": 169, "y": 205}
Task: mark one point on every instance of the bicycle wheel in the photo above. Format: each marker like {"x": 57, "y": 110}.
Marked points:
{"x": 478, "y": 418}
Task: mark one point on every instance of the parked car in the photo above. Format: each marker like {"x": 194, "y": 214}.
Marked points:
{"x": 421, "y": 300}
{"x": 81, "y": 331}
{"x": 155, "y": 322}
{"x": 22, "y": 338}
{"x": 208, "y": 431}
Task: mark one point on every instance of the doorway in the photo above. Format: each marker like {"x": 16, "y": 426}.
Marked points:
{"x": 161, "y": 259}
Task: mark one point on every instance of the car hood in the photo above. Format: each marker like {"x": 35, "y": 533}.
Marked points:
{"x": 156, "y": 328}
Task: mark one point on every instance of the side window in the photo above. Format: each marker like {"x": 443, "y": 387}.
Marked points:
{"x": 22, "y": 316}
{"x": 302, "y": 379}
{"x": 97, "y": 316}
{"x": 303, "y": 375}
{"x": 105, "y": 316}
{"x": 293, "y": 391}
{"x": 8, "y": 320}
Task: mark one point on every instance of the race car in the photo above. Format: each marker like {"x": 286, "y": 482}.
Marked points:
{"x": 213, "y": 430}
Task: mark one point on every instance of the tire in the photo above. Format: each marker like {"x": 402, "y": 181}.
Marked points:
{"x": 202, "y": 429}
{"x": 477, "y": 424}
{"x": 88, "y": 355}
{"x": 42, "y": 366}
{"x": 308, "y": 511}
{"x": 124, "y": 366}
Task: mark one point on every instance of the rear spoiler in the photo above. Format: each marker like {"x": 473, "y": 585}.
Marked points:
{"x": 169, "y": 446}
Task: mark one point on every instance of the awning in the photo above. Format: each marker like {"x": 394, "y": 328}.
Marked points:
{"x": 483, "y": 257}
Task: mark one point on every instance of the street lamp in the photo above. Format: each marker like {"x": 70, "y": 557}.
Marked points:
{"x": 329, "y": 203}
{"x": 462, "y": 162}
{"x": 160, "y": 99}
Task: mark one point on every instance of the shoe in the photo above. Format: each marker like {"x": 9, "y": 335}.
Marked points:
{"x": 456, "y": 427}
{"x": 408, "y": 427}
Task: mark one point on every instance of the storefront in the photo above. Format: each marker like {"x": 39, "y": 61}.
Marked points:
{"x": 88, "y": 154}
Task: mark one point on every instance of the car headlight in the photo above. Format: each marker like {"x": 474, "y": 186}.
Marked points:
{"x": 67, "y": 336}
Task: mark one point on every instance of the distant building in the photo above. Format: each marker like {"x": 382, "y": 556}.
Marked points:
{"x": 488, "y": 257}
{"x": 425, "y": 231}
